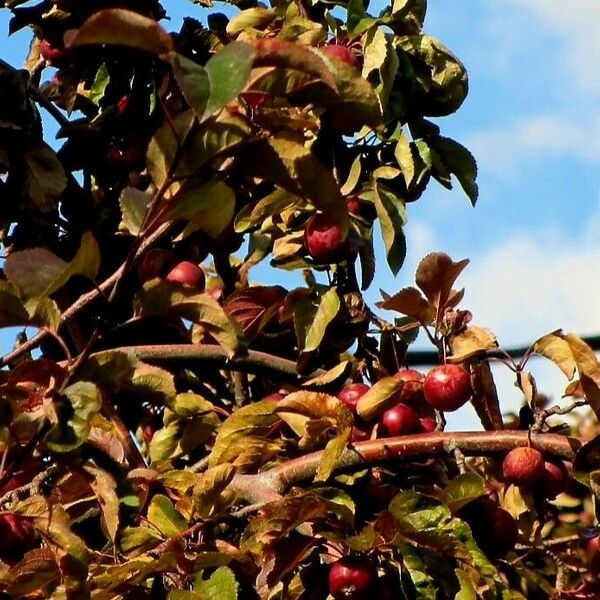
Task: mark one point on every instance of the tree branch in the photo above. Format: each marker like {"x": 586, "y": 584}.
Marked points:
{"x": 424, "y": 445}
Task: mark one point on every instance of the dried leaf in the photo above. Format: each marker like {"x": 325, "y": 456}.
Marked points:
{"x": 471, "y": 342}
{"x": 409, "y": 301}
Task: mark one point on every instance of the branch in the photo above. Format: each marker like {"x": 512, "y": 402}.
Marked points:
{"x": 251, "y": 362}
{"x": 424, "y": 445}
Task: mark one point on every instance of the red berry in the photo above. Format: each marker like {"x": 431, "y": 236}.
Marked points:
{"x": 359, "y": 208}
{"x": 51, "y": 53}
{"x": 344, "y": 54}
{"x": 187, "y": 273}
{"x": 361, "y": 432}
{"x": 352, "y": 578}
{"x": 554, "y": 479}
{"x": 352, "y": 393}
{"x": 324, "y": 239}
{"x": 412, "y": 391}
{"x": 123, "y": 104}
{"x": 447, "y": 387}
{"x": 428, "y": 424}
{"x": 523, "y": 466}
{"x": 400, "y": 420}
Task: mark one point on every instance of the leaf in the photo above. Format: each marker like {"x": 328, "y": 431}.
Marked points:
{"x": 312, "y": 415}
{"x": 460, "y": 162}
{"x": 471, "y": 342}
{"x": 383, "y": 395}
{"x": 207, "y": 206}
{"x": 163, "y": 297}
{"x": 392, "y": 217}
{"x": 292, "y": 166}
{"x": 462, "y": 489}
{"x": 409, "y": 301}
{"x": 209, "y": 489}
{"x": 133, "y": 203}
{"x": 435, "y": 276}
{"x": 403, "y": 153}
{"x": 485, "y": 396}
{"x": 467, "y": 591}
{"x": 243, "y": 440}
{"x": 38, "y": 569}
{"x": 193, "y": 81}
{"x": 165, "y": 441}
{"x": 327, "y": 310}
{"x": 272, "y": 204}
{"x": 75, "y": 409}
{"x": 40, "y": 273}
{"x": 120, "y": 27}
{"x": 105, "y": 489}
{"x": 221, "y": 585}
{"x": 554, "y": 347}
{"x": 335, "y": 375}
{"x": 45, "y": 178}
{"x": 163, "y": 516}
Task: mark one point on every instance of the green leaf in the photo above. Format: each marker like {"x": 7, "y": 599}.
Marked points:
{"x": 467, "y": 591}
{"x": 120, "y": 27}
{"x": 193, "y": 82}
{"x": 221, "y": 585}
{"x": 273, "y": 204}
{"x": 228, "y": 72}
{"x": 392, "y": 217}
{"x": 105, "y": 488}
{"x": 165, "y": 441}
{"x": 329, "y": 307}
{"x": 207, "y": 206}
{"x": 380, "y": 397}
{"x": 163, "y": 516}
{"x": 74, "y": 410}
{"x": 163, "y": 297}
{"x": 40, "y": 273}
{"x": 462, "y": 489}
{"x": 134, "y": 204}
{"x": 460, "y": 162}
{"x": 100, "y": 84}
{"x": 243, "y": 438}
{"x": 44, "y": 178}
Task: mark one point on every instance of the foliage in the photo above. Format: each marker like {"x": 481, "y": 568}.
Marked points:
{"x": 164, "y": 438}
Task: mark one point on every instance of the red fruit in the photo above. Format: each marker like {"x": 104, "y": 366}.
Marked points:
{"x": 554, "y": 479}
{"x": 357, "y": 207}
{"x": 51, "y": 53}
{"x": 400, "y": 420}
{"x": 412, "y": 392}
{"x": 352, "y": 393}
{"x": 17, "y": 535}
{"x": 361, "y": 432}
{"x": 324, "y": 239}
{"x": 255, "y": 99}
{"x": 523, "y": 466}
{"x": 593, "y": 555}
{"x": 352, "y": 578}
{"x": 493, "y": 528}
{"x": 447, "y": 387}
{"x": 154, "y": 263}
{"x": 344, "y": 54}
{"x": 123, "y": 104}
{"x": 187, "y": 273}
{"x": 128, "y": 156}
{"x": 428, "y": 424}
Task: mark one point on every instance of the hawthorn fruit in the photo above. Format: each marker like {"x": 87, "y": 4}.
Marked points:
{"x": 324, "y": 239}
{"x": 361, "y": 432}
{"x": 352, "y": 393}
{"x": 51, "y": 53}
{"x": 352, "y": 578}
{"x": 344, "y": 54}
{"x": 447, "y": 387}
{"x": 400, "y": 420}
{"x": 428, "y": 424}
{"x": 554, "y": 479}
{"x": 187, "y": 273}
{"x": 523, "y": 466}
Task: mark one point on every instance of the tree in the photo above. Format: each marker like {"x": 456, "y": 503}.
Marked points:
{"x": 171, "y": 430}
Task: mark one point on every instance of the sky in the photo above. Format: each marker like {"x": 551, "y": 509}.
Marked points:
{"x": 532, "y": 120}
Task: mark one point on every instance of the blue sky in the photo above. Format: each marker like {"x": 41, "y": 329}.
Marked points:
{"x": 532, "y": 120}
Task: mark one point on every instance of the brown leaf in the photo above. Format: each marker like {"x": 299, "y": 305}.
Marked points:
{"x": 485, "y": 396}
{"x": 119, "y": 27}
{"x": 556, "y": 348}
{"x": 470, "y": 342}
{"x": 409, "y": 301}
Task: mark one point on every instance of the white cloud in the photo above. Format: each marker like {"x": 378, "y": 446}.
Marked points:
{"x": 503, "y": 150}
{"x": 575, "y": 24}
